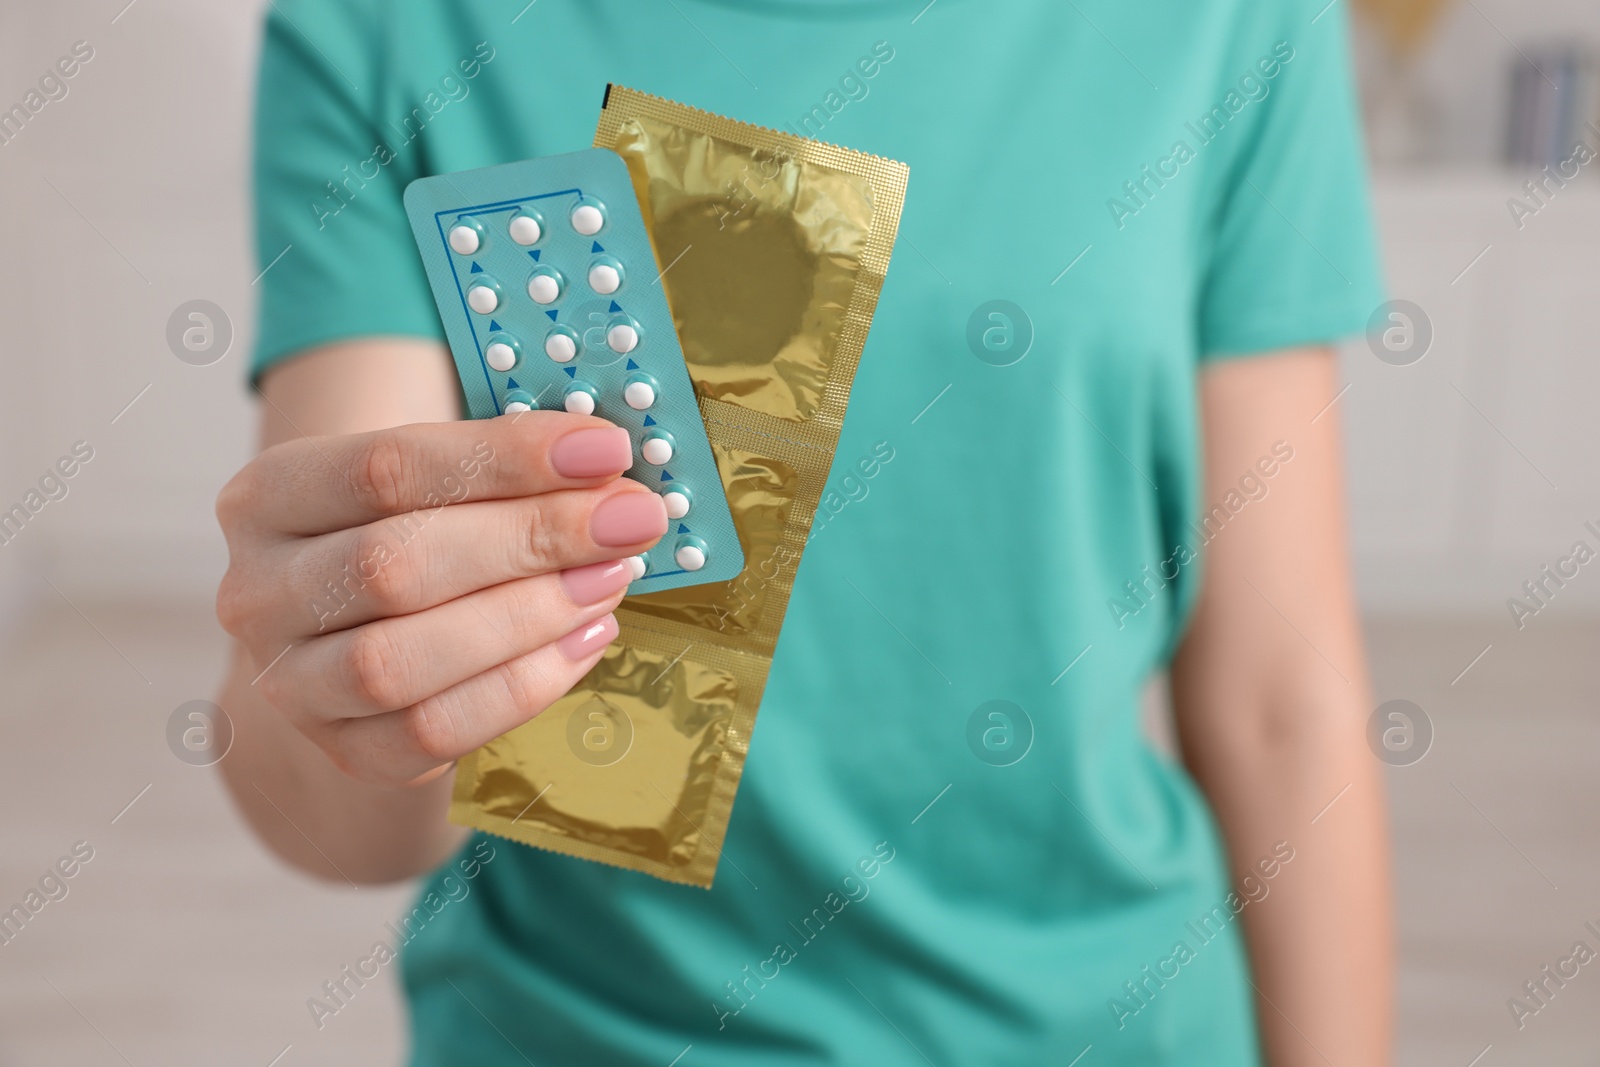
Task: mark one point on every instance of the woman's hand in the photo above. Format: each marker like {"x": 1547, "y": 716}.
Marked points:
{"x": 412, "y": 593}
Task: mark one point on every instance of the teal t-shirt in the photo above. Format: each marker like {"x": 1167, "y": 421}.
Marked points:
{"x": 1151, "y": 186}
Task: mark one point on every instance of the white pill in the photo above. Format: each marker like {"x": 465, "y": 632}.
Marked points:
{"x": 677, "y": 504}
{"x": 690, "y": 558}
{"x": 639, "y": 395}
{"x": 587, "y": 220}
{"x": 622, "y": 338}
{"x": 501, "y": 356}
{"x": 604, "y": 279}
{"x": 580, "y": 403}
{"x": 516, "y": 406}
{"x": 656, "y": 450}
{"x": 636, "y": 567}
{"x": 464, "y": 239}
{"x": 482, "y": 299}
{"x": 543, "y": 289}
{"x": 560, "y": 347}
{"x": 525, "y": 229}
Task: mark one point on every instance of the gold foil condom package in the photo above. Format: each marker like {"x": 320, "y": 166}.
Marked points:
{"x": 772, "y": 250}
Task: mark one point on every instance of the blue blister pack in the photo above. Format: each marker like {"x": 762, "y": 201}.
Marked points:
{"x": 551, "y": 298}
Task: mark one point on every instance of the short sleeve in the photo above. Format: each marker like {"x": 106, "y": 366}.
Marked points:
{"x": 1292, "y": 257}
{"x": 331, "y": 232}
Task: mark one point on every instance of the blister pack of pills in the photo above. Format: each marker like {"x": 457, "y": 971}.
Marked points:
{"x": 551, "y": 299}
{"x": 784, "y": 245}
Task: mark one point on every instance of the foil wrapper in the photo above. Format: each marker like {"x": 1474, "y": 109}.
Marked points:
{"x": 772, "y": 250}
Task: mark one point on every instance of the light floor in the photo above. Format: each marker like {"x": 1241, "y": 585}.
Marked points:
{"x": 182, "y": 943}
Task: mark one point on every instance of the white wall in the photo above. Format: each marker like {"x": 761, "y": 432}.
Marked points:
{"x": 1449, "y": 457}
{"x": 151, "y": 146}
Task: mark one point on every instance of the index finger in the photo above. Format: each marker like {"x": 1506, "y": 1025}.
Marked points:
{"x": 317, "y": 485}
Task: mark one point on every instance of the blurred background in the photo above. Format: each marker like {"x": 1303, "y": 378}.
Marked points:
{"x": 181, "y": 942}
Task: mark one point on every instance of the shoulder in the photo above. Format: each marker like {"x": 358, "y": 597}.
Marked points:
{"x": 318, "y": 20}
{"x": 358, "y": 51}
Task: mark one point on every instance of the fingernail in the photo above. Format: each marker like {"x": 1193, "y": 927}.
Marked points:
{"x": 592, "y": 453}
{"x": 627, "y": 519}
{"x": 589, "y": 638}
{"x": 592, "y": 584}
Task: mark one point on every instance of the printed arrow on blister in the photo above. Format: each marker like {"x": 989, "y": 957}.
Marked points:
{"x": 615, "y": 307}
{"x": 572, "y": 372}
{"x": 552, "y": 315}
{"x": 475, "y": 268}
{"x": 535, "y": 255}
{"x": 596, "y": 248}
{"x": 648, "y": 421}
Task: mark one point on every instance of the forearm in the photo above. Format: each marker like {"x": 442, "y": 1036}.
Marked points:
{"x": 1319, "y": 938}
{"x": 313, "y": 815}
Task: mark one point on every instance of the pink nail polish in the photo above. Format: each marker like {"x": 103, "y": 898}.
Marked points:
{"x": 589, "y": 638}
{"x": 592, "y": 584}
{"x": 592, "y": 453}
{"x": 628, "y": 519}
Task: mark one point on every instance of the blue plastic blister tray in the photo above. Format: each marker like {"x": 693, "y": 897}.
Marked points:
{"x": 551, "y": 298}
